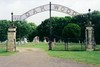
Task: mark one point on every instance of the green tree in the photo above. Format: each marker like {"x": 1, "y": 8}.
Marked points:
{"x": 24, "y": 29}
{"x": 57, "y": 24}
{"x": 71, "y": 30}
{"x": 33, "y": 32}
{"x": 4, "y": 24}
{"x": 96, "y": 21}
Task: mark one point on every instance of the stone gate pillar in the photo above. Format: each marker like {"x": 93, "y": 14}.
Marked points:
{"x": 89, "y": 37}
{"x": 11, "y": 44}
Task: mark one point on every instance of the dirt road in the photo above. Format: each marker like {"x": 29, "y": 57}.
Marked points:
{"x": 32, "y": 57}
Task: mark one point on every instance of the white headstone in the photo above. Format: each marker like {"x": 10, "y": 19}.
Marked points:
{"x": 36, "y": 39}
{"x": 25, "y": 40}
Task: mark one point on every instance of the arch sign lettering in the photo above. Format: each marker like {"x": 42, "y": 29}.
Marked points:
{"x": 54, "y": 7}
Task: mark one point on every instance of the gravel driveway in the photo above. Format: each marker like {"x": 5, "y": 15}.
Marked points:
{"x": 32, "y": 57}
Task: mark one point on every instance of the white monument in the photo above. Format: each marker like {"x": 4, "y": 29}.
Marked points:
{"x": 25, "y": 40}
{"x": 36, "y": 39}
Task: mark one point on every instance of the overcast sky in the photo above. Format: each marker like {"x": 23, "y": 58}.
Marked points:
{"x": 19, "y": 7}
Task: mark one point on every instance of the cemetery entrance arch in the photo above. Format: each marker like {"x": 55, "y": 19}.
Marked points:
{"x": 54, "y": 7}
{"x": 48, "y": 7}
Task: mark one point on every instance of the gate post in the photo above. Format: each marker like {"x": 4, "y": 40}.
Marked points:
{"x": 89, "y": 33}
{"x": 11, "y": 43}
{"x": 89, "y": 37}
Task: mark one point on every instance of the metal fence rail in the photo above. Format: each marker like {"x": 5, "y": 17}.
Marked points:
{"x": 72, "y": 44}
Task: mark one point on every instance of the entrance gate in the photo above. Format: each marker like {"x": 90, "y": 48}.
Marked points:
{"x": 48, "y": 7}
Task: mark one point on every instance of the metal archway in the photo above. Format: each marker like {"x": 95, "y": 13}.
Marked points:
{"x": 54, "y": 7}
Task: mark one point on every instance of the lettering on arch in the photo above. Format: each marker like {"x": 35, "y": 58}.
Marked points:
{"x": 54, "y": 7}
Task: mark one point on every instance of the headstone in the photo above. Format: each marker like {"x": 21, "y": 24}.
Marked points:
{"x": 36, "y": 39}
{"x": 79, "y": 41}
{"x": 60, "y": 41}
{"x": 22, "y": 42}
{"x": 53, "y": 43}
{"x": 11, "y": 43}
{"x": 19, "y": 43}
{"x": 45, "y": 39}
{"x": 25, "y": 40}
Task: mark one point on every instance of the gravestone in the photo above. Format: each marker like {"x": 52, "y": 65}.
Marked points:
{"x": 36, "y": 39}
{"x": 54, "y": 42}
{"x": 45, "y": 41}
{"x": 11, "y": 43}
{"x": 22, "y": 42}
{"x": 25, "y": 40}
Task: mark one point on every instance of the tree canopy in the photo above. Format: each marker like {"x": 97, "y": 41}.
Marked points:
{"x": 71, "y": 30}
{"x": 24, "y": 29}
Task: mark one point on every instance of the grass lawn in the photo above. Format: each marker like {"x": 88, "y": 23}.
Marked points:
{"x": 3, "y": 51}
{"x": 88, "y": 57}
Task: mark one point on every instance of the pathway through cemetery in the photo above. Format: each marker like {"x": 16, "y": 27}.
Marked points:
{"x": 33, "y": 57}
